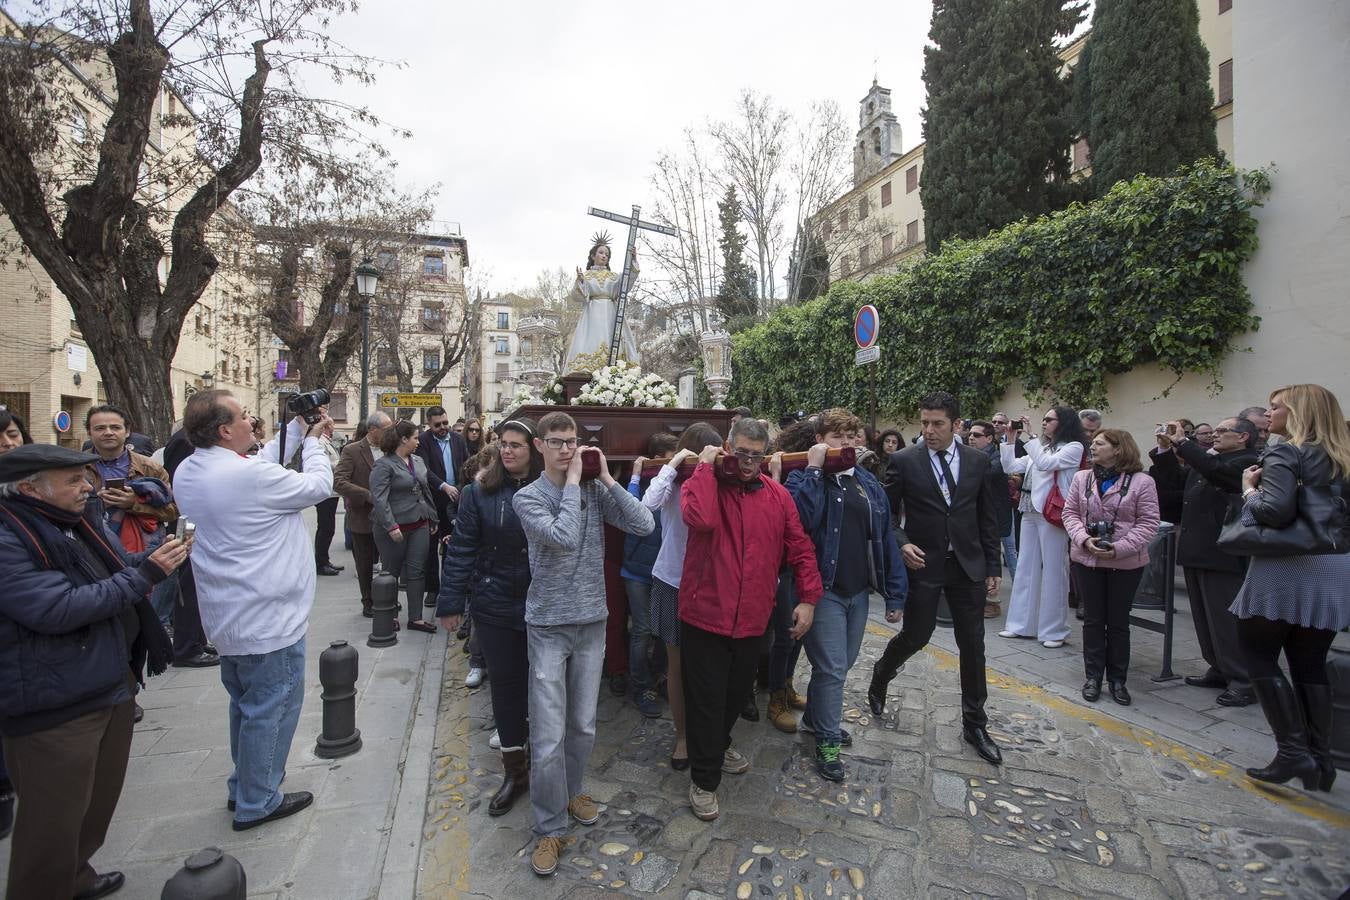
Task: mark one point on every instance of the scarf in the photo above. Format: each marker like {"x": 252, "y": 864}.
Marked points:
{"x": 40, "y": 527}
{"x": 1105, "y": 478}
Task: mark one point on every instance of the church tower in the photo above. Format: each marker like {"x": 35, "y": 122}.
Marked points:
{"x": 878, "y": 142}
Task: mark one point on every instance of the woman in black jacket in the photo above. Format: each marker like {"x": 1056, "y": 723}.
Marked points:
{"x": 1295, "y": 603}
{"x": 487, "y": 566}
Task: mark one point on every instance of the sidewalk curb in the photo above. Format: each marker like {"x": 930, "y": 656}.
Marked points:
{"x": 399, "y": 872}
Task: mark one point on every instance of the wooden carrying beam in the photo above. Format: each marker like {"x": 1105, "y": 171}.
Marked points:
{"x": 727, "y": 466}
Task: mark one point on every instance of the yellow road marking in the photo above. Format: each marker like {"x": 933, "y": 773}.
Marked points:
{"x": 1286, "y": 797}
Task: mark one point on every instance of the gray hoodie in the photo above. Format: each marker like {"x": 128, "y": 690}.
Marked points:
{"x": 565, "y": 529}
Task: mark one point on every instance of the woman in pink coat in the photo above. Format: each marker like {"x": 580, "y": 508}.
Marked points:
{"x": 1110, "y": 514}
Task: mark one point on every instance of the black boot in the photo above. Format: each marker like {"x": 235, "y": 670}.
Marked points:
{"x": 1281, "y": 706}
{"x": 6, "y": 808}
{"x": 515, "y": 783}
{"x": 1316, "y": 700}
{"x": 750, "y": 712}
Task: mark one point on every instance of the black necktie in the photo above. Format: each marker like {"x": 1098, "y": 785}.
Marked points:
{"x": 948, "y": 479}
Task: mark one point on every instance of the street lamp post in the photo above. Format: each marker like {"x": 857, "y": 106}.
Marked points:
{"x": 367, "y": 280}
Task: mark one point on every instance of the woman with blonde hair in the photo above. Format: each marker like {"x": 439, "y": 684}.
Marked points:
{"x": 1295, "y": 604}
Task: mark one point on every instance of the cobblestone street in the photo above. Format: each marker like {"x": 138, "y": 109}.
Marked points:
{"x": 1085, "y": 805}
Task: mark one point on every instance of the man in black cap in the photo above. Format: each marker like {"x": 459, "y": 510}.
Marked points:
{"x": 76, "y": 630}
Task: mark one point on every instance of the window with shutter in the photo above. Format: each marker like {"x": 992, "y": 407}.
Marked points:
{"x": 886, "y": 194}
{"x": 1225, "y": 82}
{"x": 912, "y": 179}
{"x": 912, "y": 232}
{"x": 887, "y": 244}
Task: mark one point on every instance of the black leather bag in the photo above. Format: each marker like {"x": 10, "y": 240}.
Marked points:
{"x": 1321, "y": 526}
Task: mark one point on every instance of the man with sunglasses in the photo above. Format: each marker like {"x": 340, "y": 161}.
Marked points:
{"x": 563, "y": 518}
{"x": 444, "y": 454}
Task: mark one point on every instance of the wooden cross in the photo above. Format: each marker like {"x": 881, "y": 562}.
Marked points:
{"x": 633, "y": 223}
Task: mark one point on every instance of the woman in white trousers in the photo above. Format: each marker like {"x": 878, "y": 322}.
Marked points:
{"x": 1040, "y": 594}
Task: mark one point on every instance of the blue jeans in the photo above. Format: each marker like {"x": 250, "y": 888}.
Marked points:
{"x": 784, "y": 651}
{"x": 1010, "y": 553}
{"x": 832, "y": 645}
{"x": 639, "y": 633}
{"x": 163, "y": 598}
{"x": 266, "y": 690}
{"x": 565, "y": 666}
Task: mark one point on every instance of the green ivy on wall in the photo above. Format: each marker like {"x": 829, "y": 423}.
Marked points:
{"x": 1150, "y": 273}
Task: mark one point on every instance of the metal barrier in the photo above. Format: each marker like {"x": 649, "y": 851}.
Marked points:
{"x": 1169, "y": 607}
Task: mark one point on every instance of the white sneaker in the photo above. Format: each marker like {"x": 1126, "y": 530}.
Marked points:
{"x": 1007, "y": 634}
{"x": 703, "y": 803}
{"x": 734, "y": 763}
{"x": 474, "y": 678}
{"x": 495, "y": 742}
{"x": 1052, "y": 645}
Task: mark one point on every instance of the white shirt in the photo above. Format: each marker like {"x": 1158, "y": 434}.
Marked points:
{"x": 252, "y": 558}
{"x": 954, "y": 462}
{"x": 1040, "y": 463}
{"x": 664, "y": 494}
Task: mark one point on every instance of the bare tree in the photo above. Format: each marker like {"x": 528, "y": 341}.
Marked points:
{"x": 104, "y": 79}
{"x": 319, "y": 225}
{"x": 819, "y": 170}
{"x": 687, "y": 267}
{"x": 753, "y": 159}
{"x": 548, "y": 296}
{"x": 400, "y": 323}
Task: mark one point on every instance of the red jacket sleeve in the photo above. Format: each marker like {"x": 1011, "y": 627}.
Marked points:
{"x": 698, "y": 500}
{"x": 800, "y": 553}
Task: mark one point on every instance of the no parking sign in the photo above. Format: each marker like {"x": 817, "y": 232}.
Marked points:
{"x": 866, "y": 330}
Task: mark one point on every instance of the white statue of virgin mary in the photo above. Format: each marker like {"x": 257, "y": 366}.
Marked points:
{"x": 598, "y": 288}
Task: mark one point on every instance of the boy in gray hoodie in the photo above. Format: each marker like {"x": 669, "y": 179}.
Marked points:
{"x": 563, "y": 518}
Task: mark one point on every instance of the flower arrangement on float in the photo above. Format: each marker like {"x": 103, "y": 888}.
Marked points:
{"x": 624, "y": 384}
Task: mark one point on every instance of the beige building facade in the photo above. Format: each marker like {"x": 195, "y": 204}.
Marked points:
{"x": 46, "y": 365}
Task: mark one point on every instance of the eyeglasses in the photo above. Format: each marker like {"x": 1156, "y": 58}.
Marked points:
{"x": 752, "y": 458}
{"x": 1218, "y": 431}
{"x": 558, "y": 443}
{"x": 512, "y": 446}
{"x": 978, "y": 434}
{"x": 473, "y": 430}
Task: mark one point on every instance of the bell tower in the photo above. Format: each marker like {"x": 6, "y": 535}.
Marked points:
{"x": 878, "y": 141}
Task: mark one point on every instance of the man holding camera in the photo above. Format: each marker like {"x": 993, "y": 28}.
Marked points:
{"x": 255, "y": 584}
{"x": 1213, "y": 483}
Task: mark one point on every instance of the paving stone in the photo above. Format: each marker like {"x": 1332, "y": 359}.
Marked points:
{"x": 961, "y": 881}
{"x": 714, "y": 865}
{"x": 1097, "y": 880}
{"x": 1016, "y": 861}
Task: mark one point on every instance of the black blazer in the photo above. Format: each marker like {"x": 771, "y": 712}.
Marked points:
{"x": 430, "y": 451}
{"x": 1213, "y": 484}
{"x": 970, "y": 524}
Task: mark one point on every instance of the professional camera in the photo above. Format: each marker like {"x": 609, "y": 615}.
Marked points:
{"x": 1102, "y": 531}
{"x": 307, "y": 405}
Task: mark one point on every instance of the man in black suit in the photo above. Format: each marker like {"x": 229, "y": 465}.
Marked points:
{"x": 950, "y": 542}
{"x": 1213, "y": 483}
{"x": 445, "y": 453}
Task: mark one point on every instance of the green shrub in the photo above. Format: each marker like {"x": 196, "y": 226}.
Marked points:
{"x": 1150, "y": 273}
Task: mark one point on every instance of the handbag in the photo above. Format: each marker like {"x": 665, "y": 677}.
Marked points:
{"x": 1054, "y": 504}
{"x": 1319, "y": 527}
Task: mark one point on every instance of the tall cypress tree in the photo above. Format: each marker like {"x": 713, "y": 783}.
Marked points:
{"x": 736, "y": 295}
{"x": 1144, "y": 101}
{"x": 997, "y": 126}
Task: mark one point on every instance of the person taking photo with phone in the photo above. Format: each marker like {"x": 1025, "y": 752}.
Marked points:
{"x": 1110, "y": 514}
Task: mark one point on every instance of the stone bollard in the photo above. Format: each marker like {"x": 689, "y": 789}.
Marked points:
{"x": 384, "y": 610}
{"x": 337, "y": 674}
{"x": 209, "y": 874}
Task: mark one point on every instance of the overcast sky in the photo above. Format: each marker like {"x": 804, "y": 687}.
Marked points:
{"x": 529, "y": 112}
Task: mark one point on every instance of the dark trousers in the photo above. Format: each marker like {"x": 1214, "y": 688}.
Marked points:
{"x": 616, "y": 601}
{"x": 435, "y": 553}
{"x": 783, "y": 651}
{"x": 1211, "y": 593}
{"x": 327, "y": 527}
{"x": 1107, "y": 596}
{"x": 189, "y": 639}
{"x": 966, "y": 599}
{"x": 69, "y": 778}
{"x": 506, "y": 651}
{"x": 1305, "y": 649}
{"x": 365, "y": 554}
{"x": 405, "y": 560}
{"x": 717, "y": 672}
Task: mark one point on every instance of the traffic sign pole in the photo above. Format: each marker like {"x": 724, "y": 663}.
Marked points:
{"x": 866, "y": 330}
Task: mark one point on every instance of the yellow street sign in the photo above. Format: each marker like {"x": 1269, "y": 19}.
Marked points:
{"x": 414, "y": 401}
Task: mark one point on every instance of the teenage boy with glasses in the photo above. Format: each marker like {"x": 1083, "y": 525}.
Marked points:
{"x": 563, "y": 518}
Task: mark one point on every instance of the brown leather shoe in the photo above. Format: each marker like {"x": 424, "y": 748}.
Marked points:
{"x": 516, "y": 768}
{"x": 992, "y": 610}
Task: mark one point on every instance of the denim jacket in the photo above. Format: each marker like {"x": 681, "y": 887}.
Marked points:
{"x": 821, "y": 521}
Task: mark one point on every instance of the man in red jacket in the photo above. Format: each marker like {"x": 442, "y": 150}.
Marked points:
{"x": 740, "y": 533}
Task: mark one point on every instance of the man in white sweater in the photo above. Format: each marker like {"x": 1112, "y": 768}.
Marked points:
{"x": 255, "y": 585}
